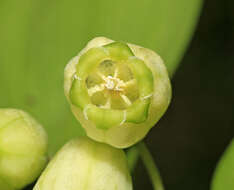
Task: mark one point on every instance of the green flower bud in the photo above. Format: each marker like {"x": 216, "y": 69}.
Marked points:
{"x": 86, "y": 165}
{"x": 23, "y": 147}
{"x": 117, "y": 91}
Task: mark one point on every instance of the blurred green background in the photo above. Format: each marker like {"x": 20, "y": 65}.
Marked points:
{"x": 38, "y": 37}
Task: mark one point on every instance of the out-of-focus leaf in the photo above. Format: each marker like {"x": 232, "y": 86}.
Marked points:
{"x": 37, "y": 39}
{"x": 224, "y": 174}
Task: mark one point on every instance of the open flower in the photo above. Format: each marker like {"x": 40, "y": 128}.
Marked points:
{"x": 23, "y": 149}
{"x": 117, "y": 91}
{"x": 85, "y": 164}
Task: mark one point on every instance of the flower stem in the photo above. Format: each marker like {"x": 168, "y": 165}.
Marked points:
{"x": 132, "y": 156}
{"x": 150, "y": 166}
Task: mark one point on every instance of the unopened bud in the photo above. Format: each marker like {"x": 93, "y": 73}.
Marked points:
{"x": 23, "y": 149}
{"x": 86, "y": 165}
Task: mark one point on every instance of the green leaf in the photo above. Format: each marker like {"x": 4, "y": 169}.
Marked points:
{"x": 39, "y": 37}
{"x": 224, "y": 173}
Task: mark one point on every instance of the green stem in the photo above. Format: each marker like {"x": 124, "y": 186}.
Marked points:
{"x": 150, "y": 166}
{"x": 132, "y": 156}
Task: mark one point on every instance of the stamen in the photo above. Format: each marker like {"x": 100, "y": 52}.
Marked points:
{"x": 145, "y": 97}
{"x": 130, "y": 82}
{"x": 85, "y": 112}
{"x": 110, "y": 83}
{"x": 96, "y": 88}
{"x": 113, "y": 83}
{"x": 132, "y": 58}
{"x": 102, "y": 76}
{"x": 124, "y": 117}
{"x": 126, "y": 99}
{"x": 116, "y": 73}
{"x": 107, "y": 105}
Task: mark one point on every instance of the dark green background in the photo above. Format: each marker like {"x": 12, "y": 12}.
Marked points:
{"x": 38, "y": 37}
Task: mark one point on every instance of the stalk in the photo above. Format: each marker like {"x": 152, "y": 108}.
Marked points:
{"x": 150, "y": 166}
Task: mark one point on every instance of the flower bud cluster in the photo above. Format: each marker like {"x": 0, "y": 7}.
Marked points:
{"x": 118, "y": 92}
